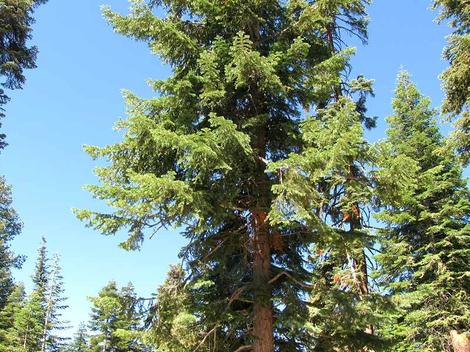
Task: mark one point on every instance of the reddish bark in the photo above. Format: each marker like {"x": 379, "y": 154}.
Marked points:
{"x": 460, "y": 342}
{"x": 363, "y": 284}
{"x": 262, "y": 306}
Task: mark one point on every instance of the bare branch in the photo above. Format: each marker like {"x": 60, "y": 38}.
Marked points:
{"x": 205, "y": 338}
{"x": 275, "y": 278}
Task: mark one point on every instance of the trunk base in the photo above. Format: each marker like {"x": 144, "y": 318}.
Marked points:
{"x": 262, "y": 307}
{"x": 460, "y": 342}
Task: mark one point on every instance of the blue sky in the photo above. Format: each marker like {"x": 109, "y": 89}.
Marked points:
{"x": 74, "y": 98}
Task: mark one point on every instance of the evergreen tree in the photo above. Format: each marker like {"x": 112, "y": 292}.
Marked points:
{"x": 130, "y": 330}
{"x": 207, "y": 154}
{"x": 80, "y": 340}
{"x": 456, "y": 79}
{"x": 8, "y": 315}
{"x": 16, "y": 19}
{"x": 103, "y": 318}
{"x": 174, "y": 320}
{"x": 332, "y": 165}
{"x": 425, "y": 250}
{"x": 10, "y": 227}
{"x": 332, "y": 169}
{"x": 115, "y": 320}
{"x": 31, "y": 325}
{"x": 27, "y": 330}
{"x": 42, "y": 270}
{"x": 53, "y": 306}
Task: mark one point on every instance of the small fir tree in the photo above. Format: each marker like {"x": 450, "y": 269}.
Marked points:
{"x": 80, "y": 340}
{"x": 173, "y": 323}
{"x": 8, "y": 314}
{"x": 116, "y": 320}
{"x": 26, "y": 335}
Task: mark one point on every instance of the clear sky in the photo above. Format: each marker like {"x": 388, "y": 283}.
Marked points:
{"x": 74, "y": 98}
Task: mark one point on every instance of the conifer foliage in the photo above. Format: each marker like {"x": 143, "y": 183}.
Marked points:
{"x": 16, "y": 19}
{"x": 80, "y": 340}
{"x": 255, "y": 148}
{"x": 172, "y": 321}
{"x": 116, "y": 320}
{"x": 456, "y": 79}
{"x": 54, "y": 304}
{"x": 214, "y": 152}
{"x": 42, "y": 269}
{"x": 425, "y": 244}
{"x": 10, "y": 227}
{"x": 30, "y": 323}
{"x": 27, "y": 331}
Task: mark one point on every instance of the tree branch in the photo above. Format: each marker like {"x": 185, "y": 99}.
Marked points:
{"x": 275, "y": 278}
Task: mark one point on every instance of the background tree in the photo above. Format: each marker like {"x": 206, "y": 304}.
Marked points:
{"x": 332, "y": 165}
{"x": 35, "y": 321}
{"x": 80, "y": 340}
{"x": 456, "y": 79}
{"x": 10, "y": 227}
{"x": 42, "y": 270}
{"x": 8, "y": 314}
{"x": 16, "y": 19}
{"x": 53, "y": 306}
{"x": 28, "y": 326}
{"x": 198, "y": 156}
{"x": 175, "y": 322}
{"x": 31, "y": 324}
{"x": 116, "y": 320}
{"x": 333, "y": 170}
{"x": 425, "y": 245}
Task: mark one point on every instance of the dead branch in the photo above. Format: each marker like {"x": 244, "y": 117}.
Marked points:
{"x": 205, "y": 338}
{"x": 275, "y": 278}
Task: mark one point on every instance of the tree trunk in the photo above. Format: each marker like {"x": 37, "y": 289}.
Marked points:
{"x": 25, "y": 340}
{"x": 360, "y": 264}
{"x": 364, "y": 286}
{"x": 48, "y": 313}
{"x": 460, "y": 342}
{"x": 262, "y": 306}
{"x": 44, "y": 334}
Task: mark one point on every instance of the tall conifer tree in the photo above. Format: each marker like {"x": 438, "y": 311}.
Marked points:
{"x": 16, "y": 19}
{"x": 207, "y": 154}
{"x": 426, "y": 243}
{"x": 54, "y": 304}
{"x": 42, "y": 270}
{"x": 343, "y": 313}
